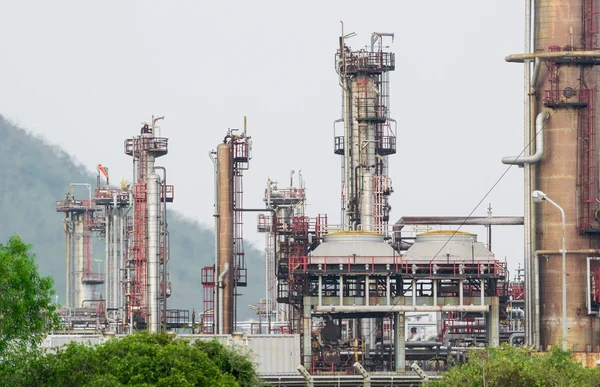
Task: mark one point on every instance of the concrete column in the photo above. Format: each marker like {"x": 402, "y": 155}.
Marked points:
{"x": 307, "y": 333}
{"x": 399, "y": 342}
{"x": 493, "y": 323}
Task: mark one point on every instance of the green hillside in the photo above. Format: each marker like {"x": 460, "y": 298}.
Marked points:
{"x": 35, "y": 174}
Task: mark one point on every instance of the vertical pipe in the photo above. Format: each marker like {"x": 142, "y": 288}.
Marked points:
{"x": 68, "y": 261}
{"x": 320, "y": 290}
{"x": 388, "y": 290}
{"x": 114, "y": 268}
{"x": 107, "y": 258}
{"x": 434, "y": 292}
{"x": 78, "y": 296}
{"x": 121, "y": 262}
{"x": 341, "y": 290}
{"x": 482, "y": 292}
{"x": 460, "y": 293}
{"x": 225, "y": 188}
{"x": 588, "y": 286}
{"x": 400, "y": 342}
{"x": 536, "y": 301}
{"x": 213, "y": 157}
{"x": 527, "y": 177}
{"x": 307, "y": 330}
{"x": 414, "y": 292}
{"x": 153, "y": 245}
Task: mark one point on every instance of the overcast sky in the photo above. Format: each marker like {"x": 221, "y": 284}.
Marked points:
{"x": 85, "y": 76}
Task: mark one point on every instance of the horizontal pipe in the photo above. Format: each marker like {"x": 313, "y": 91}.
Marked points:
{"x": 520, "y": 58}
{"x": 400, "y": 308}
{"x": 539, "y": 144}
{"x": 459, "y": 220}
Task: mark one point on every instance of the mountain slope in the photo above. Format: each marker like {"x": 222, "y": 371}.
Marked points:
{"x": 34, "y": 175}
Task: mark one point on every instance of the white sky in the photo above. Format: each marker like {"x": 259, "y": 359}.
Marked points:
{"x": 85, "y": 76}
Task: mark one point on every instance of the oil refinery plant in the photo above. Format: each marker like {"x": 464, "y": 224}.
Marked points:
{"x": 359, "y": 293}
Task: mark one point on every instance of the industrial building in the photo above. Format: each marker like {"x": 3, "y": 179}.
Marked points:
{"x": 352, "y": 294}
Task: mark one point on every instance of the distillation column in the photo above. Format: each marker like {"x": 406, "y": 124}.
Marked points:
{"x": 225, "y": 254}
{"x": 564, "y": 166}
{"x": 153, "y": 203}
{"x": 558, "y": 26}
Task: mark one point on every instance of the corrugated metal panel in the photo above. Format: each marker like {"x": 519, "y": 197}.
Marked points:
{"x": 55, "y": 341}
{"x": 273, "y": 354}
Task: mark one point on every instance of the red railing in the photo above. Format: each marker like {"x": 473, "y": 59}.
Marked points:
{"x": 322, "y": 367}
{"x": 398, "y": 265}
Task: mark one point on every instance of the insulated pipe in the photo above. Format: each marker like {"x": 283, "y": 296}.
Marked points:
{"x": 511, "y": 338}
{"x": 456, "y": 220}
{"x": 520, "y": 58}
{"x": 213, "y": 157}
{"x": 153, "y": 248}
{"x": 363, "y": 372}
{"x": 399, "y": 308}
{"x": 377, "y": 35}
{"x": 220, "y": 286}
{"x": 163, "y": 197}
{"x": 539, "y": 144}
{"x": 68, "y": 260}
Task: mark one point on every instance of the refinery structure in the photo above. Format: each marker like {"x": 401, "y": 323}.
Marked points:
{"x": 356, "y": 291}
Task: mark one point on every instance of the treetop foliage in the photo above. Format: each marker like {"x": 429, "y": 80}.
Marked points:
{"x": 26, "y": 311}
{"x": 141, "y": 359}
{"x": 507, "y": 366}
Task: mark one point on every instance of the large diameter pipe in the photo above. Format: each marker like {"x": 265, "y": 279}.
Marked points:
{"x": 520, "y": 58}
{"x": 457, "y": 220}
{"x": 153, "y": 246}
{"x": 220, "y": 286}
{"x": 399, "y": 308}
{"x": 225, "y": 202}
{"x": 539, "y": 144}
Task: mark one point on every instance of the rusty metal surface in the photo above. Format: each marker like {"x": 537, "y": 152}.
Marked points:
{"x": 226, "y": 231}
{"x": 559, "y": 24}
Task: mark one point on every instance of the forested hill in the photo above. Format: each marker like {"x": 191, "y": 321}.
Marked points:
{"x": 35, "y": 174}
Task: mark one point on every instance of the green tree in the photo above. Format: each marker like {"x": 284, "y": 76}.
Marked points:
{"x": 26, "y": 311}
{"x": 141, "y": 359}
{"x": 507, "y": 366}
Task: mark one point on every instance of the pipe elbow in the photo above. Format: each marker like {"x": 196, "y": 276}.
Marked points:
{"x": 539, "y": 144}
{"x": 221, "y": 279}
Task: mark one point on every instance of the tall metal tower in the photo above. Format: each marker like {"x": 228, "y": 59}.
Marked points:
{"x": 368, "y": 136}
{"x": 561, "y": 159}
{"x": 146, "y": 282}
{"x": 115, "y": 203}
{"x": 79, "y": 221}
{"x": 231, "y": 159}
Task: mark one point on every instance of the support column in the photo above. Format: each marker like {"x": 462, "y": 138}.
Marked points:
{"x": 493, "y": 323}
{"x": 307, "y": 333}
{"x": 399, "y": 342}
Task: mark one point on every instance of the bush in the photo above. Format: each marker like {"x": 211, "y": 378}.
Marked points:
{"x": 507, "y": 366}
{"x": 141, "y": 359}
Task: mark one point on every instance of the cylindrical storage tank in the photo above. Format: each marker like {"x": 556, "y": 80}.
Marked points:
{"x": 153, "y": 251}
{"x": 225, "y": 190}
{"x": 559, "y": 24}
